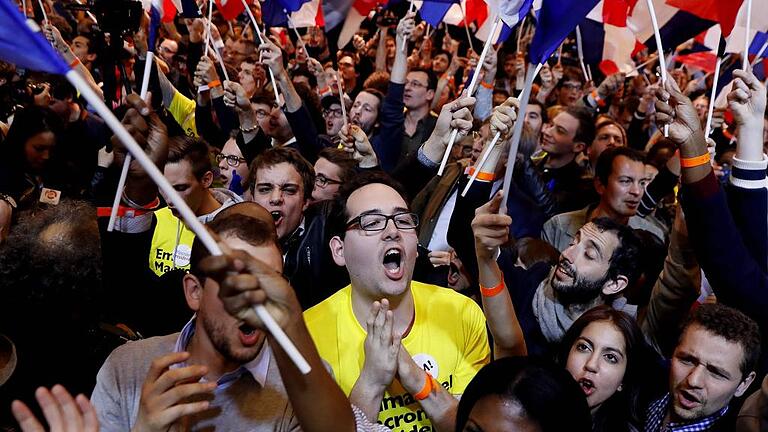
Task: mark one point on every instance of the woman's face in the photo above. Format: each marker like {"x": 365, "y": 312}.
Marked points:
{"x": 493, "y": 413}
{"x": 38, "y": 149}
{"x": 597, "y": 361}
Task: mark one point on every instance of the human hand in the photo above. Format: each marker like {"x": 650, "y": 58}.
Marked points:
{"x": 149, "y": 132}
{"x": 196, "y": 29}
{"x": 205, "y": 72}
{"x": 411, "y": 375}
{"x": 503, "y": 118}
{"x": 404, "y": 30}
{"x": 272, "y": 56}
{"x": 358, "y": 42}
{"x": 491, "y": 229}
{"x": 677, "y": 111}
{"x": 747, "y": 99}
{"x": 547, "y": 78}
{"x": 381, "y": 347}
{"x": 440, "y": 258}
{"x": 246, "y": 281}
{"x": 54, "y": 37}
{"x": 454, "y": 115}
{"x": 610, "y": 85}
{"x": 490, "y": 65}
{"x": 105, "y": 158}
{"x": 234, "y": 96}
{"x": 456, "y": 63}
{"x": 164, "y": 391}
{"x": 356, "y": 143}
{"x": 61, "y": 412}
{"x": 557, "y": 73}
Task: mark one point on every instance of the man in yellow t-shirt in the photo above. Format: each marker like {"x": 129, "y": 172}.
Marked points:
{"x": 442, "y": 332}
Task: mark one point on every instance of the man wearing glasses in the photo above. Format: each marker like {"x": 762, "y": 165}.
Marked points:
{"x": 420, "y": 86}
{"x": 426, "y": 335}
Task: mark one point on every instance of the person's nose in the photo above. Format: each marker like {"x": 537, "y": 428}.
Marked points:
{"x": 276, "y": 196}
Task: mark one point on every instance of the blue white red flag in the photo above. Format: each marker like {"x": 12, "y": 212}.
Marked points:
{"x": 606, "y": 40}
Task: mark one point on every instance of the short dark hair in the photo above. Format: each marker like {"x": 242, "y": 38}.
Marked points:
{"x": 537, "y": 385}
{"x": 604, "y": 165}
{"x": 732, "y": 325}
{"x": 571, "y": 73}
{"x": 254, "y": 231}
{"x": 341, "y": 159}
{"x": 606, "y": 121}
{"x": 291, "y": 156}
{"x": 538, "y": 103}
{"x": 623, "y": 261}
{"x": 339, "y": 213}
{"x": 306, "y": 74}
{"x": 586, "y": 131}
{"x": 190, "y": 149}
{"x": 431, "y": 77}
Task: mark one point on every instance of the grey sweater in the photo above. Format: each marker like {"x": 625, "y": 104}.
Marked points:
{"x": 242, "y": 405}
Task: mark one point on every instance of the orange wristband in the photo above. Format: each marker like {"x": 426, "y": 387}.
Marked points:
{"x": 694, "y": 161}
{"x": 74, "y": 63}
{"x": 486, "y": 85}
{"x": 426, "y": 390}
{"x": 490, "y": 292}
{"x": 214, "y": 84}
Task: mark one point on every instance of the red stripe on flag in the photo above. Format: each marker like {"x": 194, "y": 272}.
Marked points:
{"x": 615, "y": 12}
{"x": 608, "y": 67}
{"x": 721, "y": 11}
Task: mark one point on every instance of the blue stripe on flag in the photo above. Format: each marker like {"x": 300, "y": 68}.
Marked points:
{"x": 557, "y": 18}
{"x": 681, "y": 27}
{"x": 758, "y": 42}
{"x": 22, "y": 46}
{"x": 433, "y": 11}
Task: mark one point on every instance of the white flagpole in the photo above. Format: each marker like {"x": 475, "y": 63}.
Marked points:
{"x": 713, "y": 94}
{"x": 747, "y": 39}
{"x": 341, "y": 98}
{"x": 581, "y": 53}
{"x": 470, "y": 90}
{"x": 517, "y": 133}
{"x": 257, "y": 30}
{"x": 208, "y": 28}
{"x": 479, "y": 164}
{"x": 651, "y": 59}
{"x": 186, "y": 213}
{"x": 221, "y": 62}
{"x": 127, "y": 162}
{"x": 659, "y": 50}
{"x": 405, "y": 40}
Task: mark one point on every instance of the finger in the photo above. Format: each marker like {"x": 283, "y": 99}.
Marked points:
{"x": 68, "y": 408}
{"x": 463, "y": 126}
{"x": 172, "y": 377}
{"x": 493, "y": 205}
{"x": 748, "y": 78}
{"x": 388, "y": 326}
{"x": 25, "y": 418}
{"x": 174, "y": 413}
{"x": 133, "y": 100}
{"x": 160, "y": 364}
{"x": 184, "y": 391}
{"x": 90, "y": 419}
{"x": 51, "y": 411}
{"x": 663, "y": 119}
{"x": 372, "y": 313}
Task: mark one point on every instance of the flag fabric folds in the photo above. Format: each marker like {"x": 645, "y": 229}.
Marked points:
{"x": 433, "y": 11}
{"x": 357, "y": 13}
{"x": 606, "y": 40}
{"x": 556, "y": 18}
{"x": 22, "y": 44}
{"x": 230, "y": 9}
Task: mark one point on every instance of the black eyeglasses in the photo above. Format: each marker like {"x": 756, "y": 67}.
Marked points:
{"x": 232, "y": 160}
{"x": 322, "y": 181}
{"x": 378, "y": 222}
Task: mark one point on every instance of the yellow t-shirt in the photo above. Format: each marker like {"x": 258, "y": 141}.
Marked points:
{"x": 448, "y": 339}
{"x": 183, "y": 111}
{"x": 171, "y": 243}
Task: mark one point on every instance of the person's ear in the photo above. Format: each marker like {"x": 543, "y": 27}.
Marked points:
{"x": 193, "y": 291}
{"x": 615, "y": 286}
{"x": 579, "y": 147}
{"x": 90, "y": 57}
{"x": 430, "y": 95}
{"x": 337, "y": 251}
{"x": 207, "y": 179}
{"x": 599, "y": 187}
{"x": 744, "y": 385}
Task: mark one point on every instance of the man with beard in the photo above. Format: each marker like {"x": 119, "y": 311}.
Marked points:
{"x": 217, "y": 373}
{"x": 597, "y": 266}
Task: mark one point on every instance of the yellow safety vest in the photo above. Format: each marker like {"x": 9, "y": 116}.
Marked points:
{"x": 171, "y": 243}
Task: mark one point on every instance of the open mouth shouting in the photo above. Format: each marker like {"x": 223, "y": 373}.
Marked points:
{"x": 587, "y": 386}
{"x": 249, "y": 336}
{"x": 277, "y": 216}
{"x": 393, "y": 263}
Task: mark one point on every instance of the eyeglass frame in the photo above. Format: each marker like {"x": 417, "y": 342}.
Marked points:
{"x": 357, "y": 221}
{"x": 322, "y": 181}
{"x": 238, "y": 160}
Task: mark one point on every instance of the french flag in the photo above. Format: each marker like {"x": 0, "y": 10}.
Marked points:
{"x": 556, "y": 19}
{"x": 168, "y": 9}
{"x": 276, "y": 13}
{"x": 675, "y": 25}
{"x": 607, "y": 42}
{"x": 357, "y": 13}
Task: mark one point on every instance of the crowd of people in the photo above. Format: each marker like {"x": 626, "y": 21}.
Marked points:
{"x": 616, "y": 285}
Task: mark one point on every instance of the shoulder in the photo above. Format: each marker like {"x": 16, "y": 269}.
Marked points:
{"x": 328, "y": 309}
{"x": 448, "y": 302}
{"x": 135, "y": 354}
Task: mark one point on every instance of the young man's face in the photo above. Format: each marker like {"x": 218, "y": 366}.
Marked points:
{"x": 380, "y": 264}
{"x": 180, "y": 176}
{"x": 280, "y": 190}
{"x": 704, "y": 375}
{"x": 80, "y": 49}
{"x": 328, "y": 173}
{"x": 416, "y": 93}
{"x": 334, "y": 119}
{"x": 570, "y": 92}
{"x": 235, "y": 342}
{"x": 347, "y": 68}
{"x": 557, "y": 137}
{"x": 245, "y": 75}
{"x": 365, "y": 111}
{"x": 273, "y": 122}
{"x": 581, "y": 274}
{"x": 625, "y": 187}
{"x": 227, "y": 172}
{"x": 533, "y": 117}
{"x": 607, "y": 137}
{"x": 440, "y": 64}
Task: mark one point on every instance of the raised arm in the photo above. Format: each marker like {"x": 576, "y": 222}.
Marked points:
{"x": 491, "y": 231}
